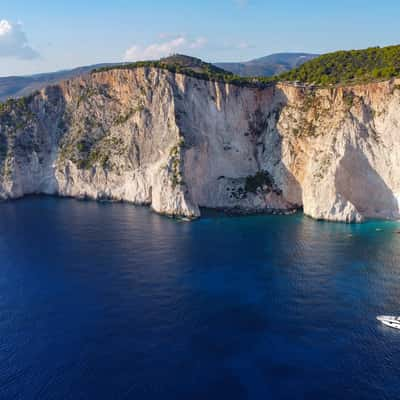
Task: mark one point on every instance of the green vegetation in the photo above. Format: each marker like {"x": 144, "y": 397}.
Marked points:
{"x": 20, "y": 105}
{"x": 123, "y": 118}
{"x": 348, "y": 67}
{"x": 89, "y": 152}
{"x": 175, "y": 163}
{"x": 262, "y": 180}
{"x": 89, "y": 92}
{"x": 348, "y": 98}
{"x": 257, "y": 181}
{"x": 3, "y": 147}
{"x": 81, "y": 146}
{"x": 90, "y": 157}
{"x": 15, "y": 113}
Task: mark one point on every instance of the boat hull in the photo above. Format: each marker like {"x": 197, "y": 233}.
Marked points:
{"x": 390, "y": 321}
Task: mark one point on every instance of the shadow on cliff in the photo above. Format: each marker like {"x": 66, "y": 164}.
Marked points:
{"x": 53, "y": 125}
{"x": 3, "y": 150}
{"x": 274, "y": 139}
{"x": 355, "y": 178}
{"x": 30, "y": 133}
{"x": 358, "y": 182}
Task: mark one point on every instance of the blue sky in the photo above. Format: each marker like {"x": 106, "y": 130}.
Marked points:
{"x": 39, "y": 36}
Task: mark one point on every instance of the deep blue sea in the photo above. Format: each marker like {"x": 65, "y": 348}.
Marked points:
{"x": 111, "y": 301}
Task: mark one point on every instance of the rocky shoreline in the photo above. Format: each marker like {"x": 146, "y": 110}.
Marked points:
{"x": 177, "y": 143}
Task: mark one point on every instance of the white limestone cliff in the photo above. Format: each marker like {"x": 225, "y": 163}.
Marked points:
{"x": 177, "y": 143}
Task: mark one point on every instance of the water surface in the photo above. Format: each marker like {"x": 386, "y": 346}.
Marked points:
{"x": 110, "y": 301}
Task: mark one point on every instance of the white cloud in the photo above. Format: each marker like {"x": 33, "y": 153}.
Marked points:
{"x": 238, "y": 45}
{"x": 14, "y": 42}
{"x": 198, "y": 43}
{"x": 241, "y": 3}
{"x": 158, "y": 50}
{"x": 243, "y": 45}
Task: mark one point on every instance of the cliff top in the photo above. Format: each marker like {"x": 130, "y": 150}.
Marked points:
{"x": 193, "y": 67}
{"x": 342, "y": 68}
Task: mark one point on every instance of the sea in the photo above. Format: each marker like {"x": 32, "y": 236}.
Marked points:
{"x": 112, "y": 301}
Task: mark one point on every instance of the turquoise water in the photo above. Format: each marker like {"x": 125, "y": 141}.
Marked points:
{"x": 101, "y": 301}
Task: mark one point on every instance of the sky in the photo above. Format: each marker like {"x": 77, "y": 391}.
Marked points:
{"x": 42, "y": 35}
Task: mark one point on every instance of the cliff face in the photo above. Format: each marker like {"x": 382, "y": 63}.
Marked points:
{"x": 350, "y": 156}
{"x": 177, "y": 143}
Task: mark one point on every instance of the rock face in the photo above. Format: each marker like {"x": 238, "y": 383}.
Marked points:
{"x": 177, "y": 143}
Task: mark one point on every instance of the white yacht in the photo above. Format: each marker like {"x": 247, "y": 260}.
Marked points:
{"x": 388, "y": 320}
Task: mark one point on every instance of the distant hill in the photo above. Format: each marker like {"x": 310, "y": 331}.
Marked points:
{"x": 17, "y": 86}
{"x": 193, "y": 63}
{"x": 271, "y": 65}
{"x": 348, "y": 67}
{"x": 177, "y": 63}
